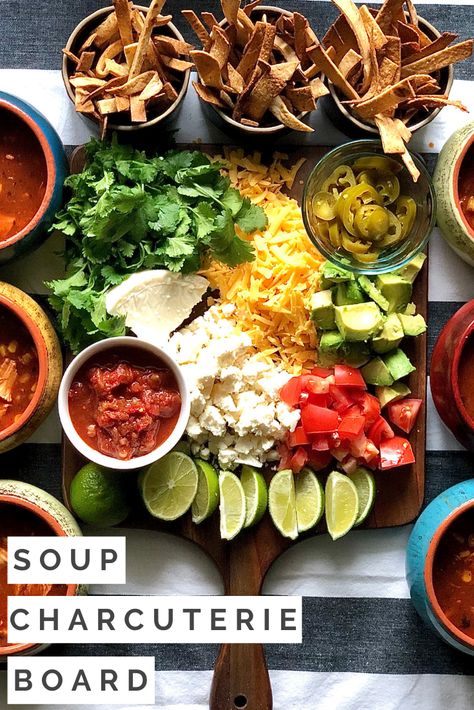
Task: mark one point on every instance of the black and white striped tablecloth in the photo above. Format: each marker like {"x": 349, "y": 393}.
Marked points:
{"x": 363, "y": 646}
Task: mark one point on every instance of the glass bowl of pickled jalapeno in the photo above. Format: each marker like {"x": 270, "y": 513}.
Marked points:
{"x": 363, "y": 211}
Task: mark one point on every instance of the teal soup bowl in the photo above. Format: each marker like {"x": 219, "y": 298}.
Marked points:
{"x": 33, "y": 167}
{"x": 440, "y": 566}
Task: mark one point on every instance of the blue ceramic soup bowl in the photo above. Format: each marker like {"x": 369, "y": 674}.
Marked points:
{"x": 41, "y": 134}
{"x": 423, "y": 543}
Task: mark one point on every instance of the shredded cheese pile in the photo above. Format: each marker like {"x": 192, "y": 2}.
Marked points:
{"x": 273, "y": 292}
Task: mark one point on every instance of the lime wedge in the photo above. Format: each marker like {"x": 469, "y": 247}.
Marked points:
{"x": 207, "y": 496}
{"x": 309, "y": 499}
{"x": 168, "y": 487}
{"x": 232, "y": 505}
{"x": 365, "y": 485}
{"x": 342, "y": 504}
{"x": 281, "y": 503}
{"x": 256, "y": 496}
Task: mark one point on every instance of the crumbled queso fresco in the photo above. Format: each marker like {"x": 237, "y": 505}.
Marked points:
{"x": 236, "y": 412}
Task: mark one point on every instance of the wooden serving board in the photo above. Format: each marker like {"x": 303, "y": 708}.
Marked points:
{"x": 240, "y": 676}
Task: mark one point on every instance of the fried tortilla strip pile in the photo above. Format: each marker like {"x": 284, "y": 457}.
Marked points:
{"x": 387, "y": 68}
{"x": 128, "y": 65}
{"x": 256, "y": 71}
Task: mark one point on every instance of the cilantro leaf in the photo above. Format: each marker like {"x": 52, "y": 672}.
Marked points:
{"x": 251, "y": 217}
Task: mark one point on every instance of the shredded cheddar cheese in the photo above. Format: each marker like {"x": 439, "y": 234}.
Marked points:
{"x": 272, "y": 293}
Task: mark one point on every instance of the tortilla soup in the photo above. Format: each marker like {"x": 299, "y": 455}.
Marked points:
{"x": 23, "y": 175}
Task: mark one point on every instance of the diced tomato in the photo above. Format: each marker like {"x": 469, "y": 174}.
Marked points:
{"x": 369, "y": 405}
{"x": 285, "y": 456}
{"x": 319, "y": 420}
{"x": 320, "y": 442}
{"x": 346, "y": 376}
{"x": 394, "y": 452}
{"x": 320, "y": 399}
{"x": 358, "y": 446}
{"x": 341, "y": 400}
{"x": 298, "y": 437}
{"x": 404, "y": 413}
{"x": 290, "y": 393}
{"x": 380, "y": 430}
{"x": 350, "y": 427}
{"x": 349, "y": 464}
{"x": 317, "y": 385}
{"x": 371, "y": 453}
{"x": 322, "y": 371}
{"x": 319, "y": 459}
{"x": 304, "y": 399}
{"x": 299, "y": 459}
{"x": 340, "y": 453}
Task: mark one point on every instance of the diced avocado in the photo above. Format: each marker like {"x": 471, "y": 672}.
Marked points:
{"x": 330, "y": 340}
{"x": 359, "y": 321}
{"x": 398, "y": 364}
{"x": 413, "y": 268}
{"x": 390, "y": 394}
{"x": 347, "y": 293}
{"x": 353, "y": 354}
{"x": 376, "y": 372}
{"x": 396, "y": 290}
{"x": 322, "y": 310}
{"x": 389, "y": 337}
{"x": 410, "y": 310}
{"x": 373, "y": 292}
{"x": 330, "y": 274}
{"x": 412, "y": 325}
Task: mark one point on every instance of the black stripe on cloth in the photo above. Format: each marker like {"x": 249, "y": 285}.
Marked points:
{"x": 439, "y": 312}
{"x": 34, "y": 40}
{"x": 339, "y": 635}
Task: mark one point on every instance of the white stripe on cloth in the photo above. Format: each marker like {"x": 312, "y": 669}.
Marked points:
{"x": 189, "y": 690}
{"x": 44, "y": 89}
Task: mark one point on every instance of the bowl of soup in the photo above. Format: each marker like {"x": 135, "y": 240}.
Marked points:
{"x": 27, "y": 510}
{"x": 32, "y": 173}
{"x": 452, "y": 375}
{"x": 453, "y": 180}
{"x": 123, "y": 403}
{"x": 440, "y": 566}
{"x": 30, "y": 366}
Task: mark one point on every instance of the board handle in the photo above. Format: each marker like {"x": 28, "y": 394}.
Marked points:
{"x": 241, "y": 680}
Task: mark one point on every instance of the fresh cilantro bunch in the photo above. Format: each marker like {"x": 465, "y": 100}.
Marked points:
{"x": 128, "y": 213}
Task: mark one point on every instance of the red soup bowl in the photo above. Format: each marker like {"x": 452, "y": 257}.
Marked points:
{"x": 451, "y": 385}
{"x": 28, "y": 510}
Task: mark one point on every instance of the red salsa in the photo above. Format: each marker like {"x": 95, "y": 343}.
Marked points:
{"x": 466, "y": 376}
{"x": 466, "y": 186}
{"x": 18, "y": 368}
{"x": 14, "y": 521}
{"x": 23, "y": 175}
{"x": 124, "y": 404}
{"x": 453, "y": 573}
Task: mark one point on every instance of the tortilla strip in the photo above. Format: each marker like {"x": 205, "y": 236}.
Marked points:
{"x": 301, "y": 98}
{"x": 428, "y": 101}
{"x": 412, "y": 14}
{"x": 373, "y": 30}
{"x": 244, "y": 28}
{"x": 410, "y": 165}
{"x": 124, "y": 21}
{"x": 246, "y": 93}
{"x": 123, "y": 103}
{"x": 226, "y": 99}
{"x": 110, "y": 52}
{"x": 388, "y": 74}
{"x": 348, "y": 62}
{"x": 230, "y": 8}
{"x": 134, "y": 85}
{"x": 384, "y": 101}
{"x": 250, "y": 6}
{"x": 318, "y": 88}
{"x": 144, "y": 40}
{"x": 163, "y": 20}
{"x": 300, "y": 24}
{"x": 284, "y": 48}
{"x": 129, "y": 51}
{"x": 137, "y": 110}
{"x": 87, "y": 43}
{"x": 199, "y": 29}
{"x": 234, "y": 78}
{"x": 207, "y": 94}
{"x": 440, "y": 59}
{"x": 82, "y": 102}
{"x": 322, "y": 60}
{"x": 152, "y": 89}
{"x": 107, "y": 31}
{"x": 179, "y": 65}
{"x": 107, "y": 106}
{"x": 388, "y": 14}
{"x": 267, "y": 87}
{"x": 392, "y": 141}
{"x": 249, "y": 122}
{"x": 258, "y": 47}
{"x": 210, "y": 19}
{"x": 170, "y": 92}
{"x": 430, "y": 88}
{"x": 351, "y": 13}
{"x": 86, "y": 60}
{"x": 208, "y": 69}
{"x": 409, "y": 48}
{"x": 280, "y": 111}
{"x": 220, "y": 47}
{"x": 402, "y": 129}
{"x": 114, "y": 68}
{"x": 71, "y": 56}
{"x": 86, "y": 82}
{"x": 430, "y": 49}
{"x": 406, "y": 32}
{"x": 171, "y": 46}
